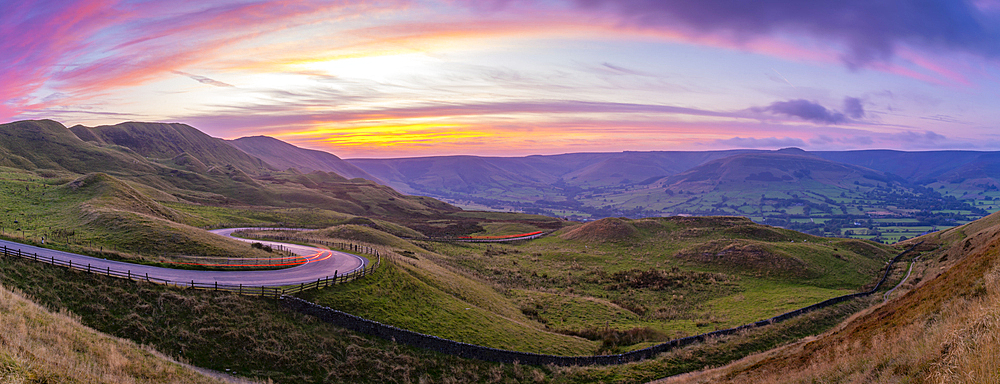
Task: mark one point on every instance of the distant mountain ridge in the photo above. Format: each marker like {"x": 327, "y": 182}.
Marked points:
{"x": 446, "y": 175}
{"x": 876, "y": 194}
{"x": 282, "y": 155}
{"x": 589, "y": 170}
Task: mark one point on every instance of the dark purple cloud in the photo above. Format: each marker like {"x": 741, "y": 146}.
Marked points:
{"x": 813, "y": 111}
{"x": 805, "y": 110}
{"x": 853, "y": 108}
{"x": 870, "y": 30}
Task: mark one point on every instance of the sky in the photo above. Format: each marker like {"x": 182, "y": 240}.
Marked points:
{"x": 399, "y": 78}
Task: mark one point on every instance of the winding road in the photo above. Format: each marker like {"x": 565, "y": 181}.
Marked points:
{"x": 321, "y": 264}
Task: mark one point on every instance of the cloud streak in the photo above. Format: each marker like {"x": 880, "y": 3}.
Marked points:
{"x": 814, "y": 112}
{"x": 870, "y": 30}
{"x": 205, "y": 80}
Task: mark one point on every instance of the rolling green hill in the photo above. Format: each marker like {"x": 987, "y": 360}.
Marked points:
{"x": 177, "y": 162}
{"x": 46, "y": 144}
{"x": 164, "y": 142}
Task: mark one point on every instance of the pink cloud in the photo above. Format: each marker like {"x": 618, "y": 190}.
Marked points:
{"x": 86, "y": 47}
{"x": 34, "y": 39}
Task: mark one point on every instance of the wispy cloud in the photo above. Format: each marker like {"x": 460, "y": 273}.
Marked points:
{"x": 88, "y": 47}
{"x": 813, "y": 111}
{"x": 204, "y": 80}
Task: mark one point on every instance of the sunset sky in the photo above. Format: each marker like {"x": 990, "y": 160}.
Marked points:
{"x": 513, "y": 78}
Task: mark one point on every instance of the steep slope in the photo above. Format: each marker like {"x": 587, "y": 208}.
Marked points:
{"x": 941, "y": 330}
{"x": 47, "y": 144}
{"x": 37, "y": 346}
{"x": 918, "y": 167}
{"x": 640, "y": 167}
{"x": 282, "y": 155}
{"x": 766, "y": 168}
{"x": 166, "y": 141}
{"x": 983, "y": 169}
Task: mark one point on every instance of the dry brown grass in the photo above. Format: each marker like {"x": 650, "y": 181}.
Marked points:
{"x": 37, "y": 346}
{"x": 944, "y": 330}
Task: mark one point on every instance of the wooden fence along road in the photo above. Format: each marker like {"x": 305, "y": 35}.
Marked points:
{"x": 323, "y": 267}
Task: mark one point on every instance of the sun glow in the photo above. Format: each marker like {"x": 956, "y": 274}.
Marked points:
{"x": 379, "y": 68}
{"x": 387, "y": 135}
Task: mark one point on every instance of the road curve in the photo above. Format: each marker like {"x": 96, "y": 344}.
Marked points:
{"x": 323, "y": 264}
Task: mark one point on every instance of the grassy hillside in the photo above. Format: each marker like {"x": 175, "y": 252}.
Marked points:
{"x": 46, "y": 144}
{"x": 413, "y": 291}
{"x": 37, "y": 346}
{"x": 101, "y": 215}
{"x": 180, "y": 163}
{"x": 257, "y": 338}
{"x": 667, "y": 277}
{"x": 620, "y": 284}
{"x": 167, "y": 141}
{"x": 942, "y": 329}
{"x": 248, "y": 336}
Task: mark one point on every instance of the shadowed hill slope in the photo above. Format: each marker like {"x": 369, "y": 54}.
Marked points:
{"x": 459, "y": 175}
{"x": 166, "y": 141}
{"x": 46, "y": 144}
{"x": 771, "y": 167}
{"x": 178, "y": 162}
{"x": 283, "y": 155}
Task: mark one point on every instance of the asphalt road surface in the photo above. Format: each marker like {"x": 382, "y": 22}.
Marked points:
{"x": 323, "y": 264}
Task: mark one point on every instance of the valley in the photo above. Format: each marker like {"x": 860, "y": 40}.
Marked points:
{"x": 147, "y": 193}
{"x": 857, "y": 194}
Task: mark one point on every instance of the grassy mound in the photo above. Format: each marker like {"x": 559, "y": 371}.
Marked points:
{"x": 674, "y": 275}
{"x": 152, "y": 236}
{"x": 404, "y": 296}
{"x": 107, "y": 191}
{"x": 604, "y": 230}
{"x": 746, "y": 255}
